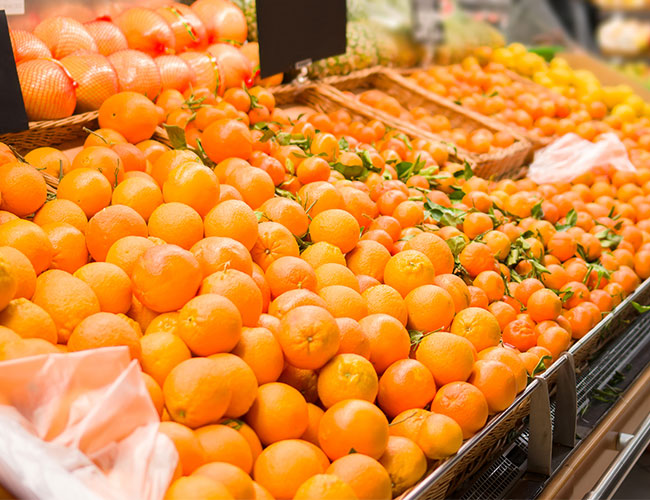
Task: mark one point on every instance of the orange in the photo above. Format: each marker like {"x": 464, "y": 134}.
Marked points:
{"x": 449, "y": 357}
{"x": 289, "y": 273}
{"x": 343, "y": 302}
{"x": 254, "y": 184}
{"x": 389, "y": 340}
{"x": 436, "y": 249}
{"x": 111, "y": 224}
{"x": 105, "y": 137}
{"x": 261, "y": 351}
{"x": 161, "y": 352}
{"x": 131, "y": 114}
{"x": 279, "y": 412}
{"x": 353, "y": 424}
{"x": 439, "y": 436}
{"x": 476, "y": 258}
{"x": 60, "y": 210}
{"x": 247, "y": 433}
{"x": 283, "y": 466}
{"x": 464, "y": 403}
{"x": 503, "y": 312}
{"x": 430, "y": 308}
{"x": 197, "y": 487}
{"x": 353, "y": 339}
{"x": 408, "y": 423}
{"x": 28, "y": 320}
{"x": 491, "y": 283}
{"x": 526, "y": 288}
{"x": 132, "y": 158}
{"x": 544, "y": 305}
{"x": 386, "y": 300}
{"x": 165, "y": 277}
{"x": 408, "y": 270}
{"x": 165, "y": 322}
{"x": 497, "y": 383}
{"x": 8, "y": 284}
{"x": 104, "y": 160}
{"x": 232, "y": 219}
{"x": 167, "y": 161}
{"x": 315, "y": 413}
{"x": 337, "y": 227}
{"x": 273, "y": 242}
{"x": 202, "y": 317}
{"x": 320, "y": 196}
{"x": 68, "y": 300}
{"x": 222, "y": 443}
{"x": 478, "y": 326}
{"x": 368, "y": 258}
{"x": 325, "y": 486}
{"x": 226, "y": 139}
{"x": 216, "y": 254}
{"x": 365, "y": 475}
{"x": 260, "y": 281}
{"x": 509, "y": 358}
{"x": 562, "y": 245}
{"x": 236, "y": 481}
{"x": 194, "y": 185}
{"x": 405, "y": 384}
{"x": 22, "y": 270}
{"x": 347, "y": 376}
{"x": 103, "y": 330}
{"x": 557, "y": 340}
{"x": 309, "y": 336}
{"x": 22, "y": 188}
{"x": 69, "y": 245}
{"x": 142, "y": 195}
{"x": 335, "y": 274}
{"x": 190, "y": 452}
{"x": 177, "y": 224}
{"x": 286, "y": 212}
{"x": 125, "y": 252}
{"x": 405, "y": 463}
{"x": 499, "y": 243}
{"x": 240, "y": 289}
{"x": 323, "y": 253}
{"x": 49, "y": 160}
{"x": 197, "y": 392}
{"x": 30, "y": 240}
{"x": 23, "y": 348}
{"x": 111, "y": 285}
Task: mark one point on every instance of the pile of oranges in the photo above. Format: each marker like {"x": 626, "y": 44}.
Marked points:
{"x": 322, "y": 307}
{"x": 479, "y": 141}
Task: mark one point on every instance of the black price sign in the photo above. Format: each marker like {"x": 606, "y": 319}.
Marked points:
{"x": 12, "y": 109}
{"x": 293, "y": 33}
{"x": 427, "y": 22}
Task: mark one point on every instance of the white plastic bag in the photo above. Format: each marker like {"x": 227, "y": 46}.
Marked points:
{"x": 571, "y": 156}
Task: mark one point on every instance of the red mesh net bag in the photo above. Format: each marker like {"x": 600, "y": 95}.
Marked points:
{"x": 146, "y": 30}
{"x": 223, "y": 20}
{"x": 175, "y": 73}
{"x": 107, "y": 35}
{"x": 48, "y": 89}
{"x": 237, "y": 68}
{"x": 137, "y": 72}
{"x": 188, "y": 29}
{"x": 96, "y": 79}
{"x": 206, "y": 69}
{"x": 27, "y": 46}
{"x": 64, "y": 35}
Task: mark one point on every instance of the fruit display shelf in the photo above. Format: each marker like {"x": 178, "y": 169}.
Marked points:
{"x": 541, "y": 427}
{"x": 499, "y": 163}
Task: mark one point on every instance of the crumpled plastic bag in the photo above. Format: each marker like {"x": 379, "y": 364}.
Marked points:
{"x": 81, "y": 426}
{"x": 571, "y": 156}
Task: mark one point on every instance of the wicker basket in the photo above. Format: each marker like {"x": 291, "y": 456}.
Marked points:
{"x": 51, "y": 132}
{"x": 502, "y": 163}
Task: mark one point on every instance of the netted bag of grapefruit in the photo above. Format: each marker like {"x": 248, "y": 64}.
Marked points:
{"x": 146, "y": 30}
{"x": 209, "y": 73}
{"x": 237, "y": 68}
{"x": 223, "y": 20}
{"x": 48, "y": 89}
{"x": 137, "y": 72}
{"x": 64, "y": 35}
{"x": 66, "y": 426}
{"x": 27, "y": 46}
{"x": 96, "y": 79}
{"x": 108, "y": 37}
{"x": 189, "y": 32}
{"x": 175, "y": 73}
